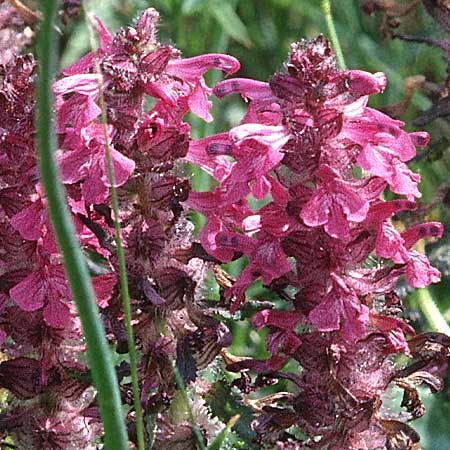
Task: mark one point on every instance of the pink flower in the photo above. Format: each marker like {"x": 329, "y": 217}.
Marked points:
{"x": 45, "y": 288}
{"x": 88, "y": 164}
{"x": 341, "y": 310}
{"x": 335, "y": 205}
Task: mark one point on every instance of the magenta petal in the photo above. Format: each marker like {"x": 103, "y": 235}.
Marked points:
{"x": 72, "y": 165}
{"x": 394, "y": 329}
{"x": 123, "y": 168}
{"x": 29, "y": 221}
{"x": 376, "y": 161}
{"x": 389, "y": 242}
{"x": 285, "y": 320}
{"x": 365, "y": 83}
{"x": 105, "y": 37}
{"x": 419, "y": 272}
{"x": 353, "y": 206}
{"x": 260, "y": 188}
{"x": 404, "y": 181}
{"x": 103, "y": 287}
{"x": 337, "y": 225}
{"x": 94, "y": 189}
{"x": 192, "y": 68}
{"x": 316, "y": 211}
{"x": 86, "y": 84}
{"x": 326, "y": 315}
{"x": 77, "y": 112}
{"x": 249, "y": 89}
{"x": 208, "y": 236}
{"x": 420, "y": 138}
{"x": 273, "y": 136}
{"x": 199, "y": 103}
{"x": 57, "y": 314}
{"x": 30, "y": 293}
{"x": 421, "y": 231}
{"x": 81, "y": 66}
{"x": 355, "y": 318}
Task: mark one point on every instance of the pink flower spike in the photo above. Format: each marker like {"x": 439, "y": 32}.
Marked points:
{"x": 190, "y": 69}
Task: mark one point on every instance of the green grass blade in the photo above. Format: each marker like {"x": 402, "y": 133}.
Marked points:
{"x": 101, "y": 365}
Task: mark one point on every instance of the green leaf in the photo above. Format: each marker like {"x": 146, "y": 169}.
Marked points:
{"x": 220, "y": 439}
{"x": 230, "y": 22}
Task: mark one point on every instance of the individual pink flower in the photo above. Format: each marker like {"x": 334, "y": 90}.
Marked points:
{"x": 45, "y": 288}
{"x": 88, "y": 163}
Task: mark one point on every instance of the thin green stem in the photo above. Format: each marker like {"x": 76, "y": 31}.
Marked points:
{"x": 431, "y": 312}
{"x": 99, "y": 355}
{"x": 326, "y": 8}
{"x": 125, "y": 294}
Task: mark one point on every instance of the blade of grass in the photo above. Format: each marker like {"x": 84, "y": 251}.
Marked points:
{"x": 125, "y": 294}
{"x": 100, "y": 361}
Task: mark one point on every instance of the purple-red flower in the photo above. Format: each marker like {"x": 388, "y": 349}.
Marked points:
{"x": 320, "y": 159}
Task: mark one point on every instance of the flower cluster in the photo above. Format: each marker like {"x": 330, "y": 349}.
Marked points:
{"x": 55, "y": 404}
{"x": 309, "y": 150}
{"x": 320, "y": 158}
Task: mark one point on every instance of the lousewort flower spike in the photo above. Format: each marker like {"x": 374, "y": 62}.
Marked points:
{"x": 311, "y": 147}
{"x": 316, "y": 156}
{"x": 55, "y": 405}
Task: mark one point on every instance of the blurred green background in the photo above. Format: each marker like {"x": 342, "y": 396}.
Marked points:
{"x": 258, "y": 33}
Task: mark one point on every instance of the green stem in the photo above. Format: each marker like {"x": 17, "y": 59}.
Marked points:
{"x": 99, "y": 355}
{"x": 326, "y": 8}
{"x": 431, "y": 312}
{"x": 125, "y": 294}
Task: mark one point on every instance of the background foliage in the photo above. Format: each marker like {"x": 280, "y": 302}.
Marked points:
{"x": 258, "y": 33}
